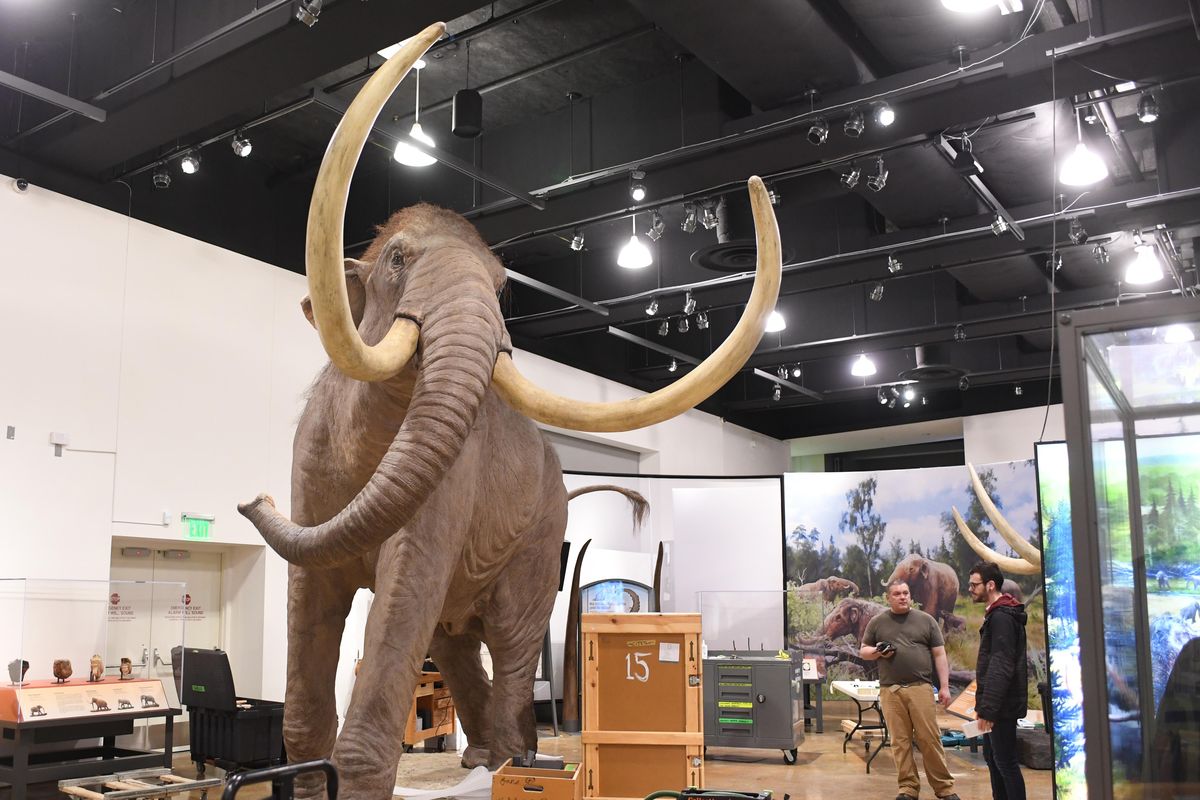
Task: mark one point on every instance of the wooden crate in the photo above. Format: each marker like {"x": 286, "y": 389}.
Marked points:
{"x": 643, "y": 704}
{"x": 523, "y": 783}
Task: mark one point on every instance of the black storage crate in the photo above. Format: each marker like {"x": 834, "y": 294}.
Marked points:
{"x": 229, "y": 731}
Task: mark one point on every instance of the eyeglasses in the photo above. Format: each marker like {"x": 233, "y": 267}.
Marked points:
{"x": 973, "y": 584}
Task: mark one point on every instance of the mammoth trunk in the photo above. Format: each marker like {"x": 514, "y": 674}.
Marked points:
{"x": 458, "y": 354}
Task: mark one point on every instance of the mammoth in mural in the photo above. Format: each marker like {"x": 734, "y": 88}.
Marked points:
{"x": 418, "y": 472}
{"x": 830, "y": 588}
{"x": 850, "y": 617}
{"x": 932, "y": 584}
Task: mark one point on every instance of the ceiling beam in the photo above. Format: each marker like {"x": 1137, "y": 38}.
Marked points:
{"x": 852, "y": 36}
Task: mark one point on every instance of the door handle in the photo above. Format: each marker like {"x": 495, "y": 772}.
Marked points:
{"x": 158, "y": 660}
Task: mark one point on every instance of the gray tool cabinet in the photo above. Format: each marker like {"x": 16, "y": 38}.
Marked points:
{"x": 753, "y": 700}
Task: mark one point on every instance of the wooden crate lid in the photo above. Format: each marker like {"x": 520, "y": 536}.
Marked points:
{"x": 641, "y": 623}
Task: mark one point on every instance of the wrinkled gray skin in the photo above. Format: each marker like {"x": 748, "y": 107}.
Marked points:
{"x": 454, "y": 515}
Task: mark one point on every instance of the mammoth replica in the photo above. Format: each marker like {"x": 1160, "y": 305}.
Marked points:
{"x": 830, "y": 588}
{"x": 418, "y": 472}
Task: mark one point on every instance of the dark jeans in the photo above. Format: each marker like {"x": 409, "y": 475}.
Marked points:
{"x": 1000, "y": 753}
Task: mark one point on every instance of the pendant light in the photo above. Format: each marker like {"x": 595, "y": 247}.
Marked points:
{"x": 775, "y": 323}
{"x": 1082, "y": 167}
{"x": 635, "y": 254}
{"x": 405, "y": 153}
{"x": 1145, "y": 267}
{"x": 862, "y": 367}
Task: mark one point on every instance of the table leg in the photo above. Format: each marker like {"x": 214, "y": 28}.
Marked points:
{"x": 857, "y": 725}
{"x": 882, "y": 742}
{"x": 20, "y": 766}
{"x": 820, "y": 708}
{"x": 168, "y": 744}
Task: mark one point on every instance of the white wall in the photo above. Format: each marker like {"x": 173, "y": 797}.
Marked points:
{"x": 178, "y": 369}
{"x": 1010, "y": 435}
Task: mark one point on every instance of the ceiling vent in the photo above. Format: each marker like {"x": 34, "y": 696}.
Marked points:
{"x": 735, "y": 250}
{"x": 928, "y": 373}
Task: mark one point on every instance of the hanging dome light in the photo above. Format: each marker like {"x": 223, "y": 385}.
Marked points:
{"x": 1178, "y": 334}
{"x": 969, "y": 6}
{"x": 1145, "y": 267}
{"x": 410, "y": 156}
{"x": 775, "y": 323}
{"x": 1082, "y": 167}
{"x": 635, "y": 254}
{"x": 862, "y": 367}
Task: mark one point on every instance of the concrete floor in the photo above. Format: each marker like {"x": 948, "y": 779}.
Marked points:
{"x": 821, "y": 771}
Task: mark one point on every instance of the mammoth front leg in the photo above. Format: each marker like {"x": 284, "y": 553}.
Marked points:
{"x": 318, "y": 602}
{"x": 411, "y": 581}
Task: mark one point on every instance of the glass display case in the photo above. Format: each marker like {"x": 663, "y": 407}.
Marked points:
{"x": 79, "y": 648}
{"x": 1131, "y": 393}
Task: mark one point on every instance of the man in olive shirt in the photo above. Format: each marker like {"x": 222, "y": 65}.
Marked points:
{"x": 909, "y": 646}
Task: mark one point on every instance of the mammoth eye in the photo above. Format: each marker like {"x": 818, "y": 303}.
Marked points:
{"x": 397, "y": 259}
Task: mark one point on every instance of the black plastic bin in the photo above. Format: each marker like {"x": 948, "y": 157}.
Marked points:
{"x": 231, "y": 732}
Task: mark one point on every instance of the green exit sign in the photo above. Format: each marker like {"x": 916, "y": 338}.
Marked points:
{"x": 197, "y": 528}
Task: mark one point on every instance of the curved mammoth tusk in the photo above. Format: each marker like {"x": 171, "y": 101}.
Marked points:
{"x": 1006, "y": 563}
{"x": 326, "y": 213}
{"x": 1017, "y": 542}
{"x": 710, "y": 375}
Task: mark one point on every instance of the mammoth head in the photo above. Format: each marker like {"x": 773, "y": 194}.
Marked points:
{"x": 427, "y": 232}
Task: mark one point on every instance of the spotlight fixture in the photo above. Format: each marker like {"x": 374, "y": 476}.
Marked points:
{"x": 964, "y": 383}
{"x": 862, "y": 367}
{"x": 162, "y": 177}
{"x": 241, "y": 145}
{"x": 635, "y": 254}
{"x": 637, "y": 189}
{"x": 664, "y": 328}
{"x": 965, "y": 162}
{"x": 190, "y": 163}
{"x": 894, "y": 263}
{"x": 1100, "y": 253}
{"x": 774, "y": 196}
{"x": 999, "y": 225}
{"x": 657, "y": 226}
{"x": 775, "y": 395}
{"x": 1082, "y": 167}
{"x": 307, "y": 11}
{"x": 1054, "y": 261}
{"x": 1147, "y": 108}
{"x": 818, "y": 132}
{"x": 881, "y": 396}
{"x": 854, "y": 124}
{"x": 782, "y": 372}
{"x": 682, "y": 326}
{"x": 405, "y": 153}
{"x": 1090, "y": 116}
{"x": 891, "y": 403}
{"x": 775, "y": 323}
{"x": 689, "y": 302}
{"x": 924, "y": 400}
{"x": 702, "y": 321}
{"x": 885, "y": 115}
{"x": 850, "y": 179}
{"x": 960, "y": 333}
{"x": 674, "y": 366}
{"x": 652, "y": 306}
{"x": 1078, "y": 234}
{"x": 577, "y": 240}
{"x": 708, "y": 214}
{"x": 1018, "y": 391}
{"x": 876, "y": 292}
{"x": 1178, "y": 334}
{"x": 909, "y": 394}
{"x": 1145, "y": 267}
{"x": 688, "y": 225}
{"x": 797, "y": 371}
{"x": 877, "y": 181}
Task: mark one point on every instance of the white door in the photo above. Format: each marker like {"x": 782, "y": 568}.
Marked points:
{"x": 181, "y": 608}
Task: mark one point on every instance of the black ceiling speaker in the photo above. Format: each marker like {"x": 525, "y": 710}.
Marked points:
{"x": 466, "y": 114}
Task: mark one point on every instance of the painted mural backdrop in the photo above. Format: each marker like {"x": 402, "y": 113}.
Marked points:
{"x": 849, "y": 533}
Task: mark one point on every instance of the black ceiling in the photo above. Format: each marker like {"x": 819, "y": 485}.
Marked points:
{"x": 700, "y": 95}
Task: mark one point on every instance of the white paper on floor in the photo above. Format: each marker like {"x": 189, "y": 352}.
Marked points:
{"x": 476, "y": 786}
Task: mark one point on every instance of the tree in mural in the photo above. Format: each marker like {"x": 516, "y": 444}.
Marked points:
{"x": 867, "y": 526}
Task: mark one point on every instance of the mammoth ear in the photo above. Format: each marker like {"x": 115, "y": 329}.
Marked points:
{"x": 357, "y": 273}
{"x": 854, "y": 613}
{"x": 925, "y": 569}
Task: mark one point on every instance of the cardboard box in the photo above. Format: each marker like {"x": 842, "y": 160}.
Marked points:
{"x": 521, "y": 783}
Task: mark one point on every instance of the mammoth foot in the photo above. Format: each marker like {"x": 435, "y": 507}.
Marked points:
{"x": 475, "y": 757}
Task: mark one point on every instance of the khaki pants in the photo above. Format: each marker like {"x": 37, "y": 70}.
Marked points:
{"x": 911, "y": 713}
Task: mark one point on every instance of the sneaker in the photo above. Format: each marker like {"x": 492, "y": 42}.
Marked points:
{"x": 948, "y": 797}
{"x": 903, "y": 796}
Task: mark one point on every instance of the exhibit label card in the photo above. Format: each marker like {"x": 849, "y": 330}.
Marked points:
{"x": 668, "y": 652}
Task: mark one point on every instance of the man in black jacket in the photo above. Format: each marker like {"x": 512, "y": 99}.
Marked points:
{"x": 1001, "y": 678}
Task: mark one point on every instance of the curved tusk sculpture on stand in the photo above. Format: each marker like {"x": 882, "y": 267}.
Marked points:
{"x": 1030, "y": 558}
